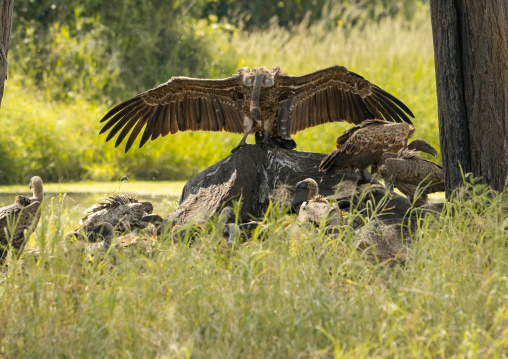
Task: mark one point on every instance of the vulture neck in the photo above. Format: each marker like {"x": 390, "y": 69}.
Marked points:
{"x": 37, "y": 191}
{"x": 255, "y": 108}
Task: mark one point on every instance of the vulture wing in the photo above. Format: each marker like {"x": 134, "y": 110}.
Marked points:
{"x": 181, "y": 104}
{"x": 361, "y": 145}
{"x": 413, "y": 170}
{"x": 22, "y": 217}
{"x": 335, "y": 94}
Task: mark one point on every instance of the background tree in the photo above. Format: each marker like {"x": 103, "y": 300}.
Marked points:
{"x": 471, "y": 61}
{"x": 5, "y": 40}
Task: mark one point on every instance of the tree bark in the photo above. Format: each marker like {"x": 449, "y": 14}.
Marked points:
{"x": 6, "y": 7}
{"x": 471, "y": 60}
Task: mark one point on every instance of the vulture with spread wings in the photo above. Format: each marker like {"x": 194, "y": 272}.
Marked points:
{"x": 269, "y": 103}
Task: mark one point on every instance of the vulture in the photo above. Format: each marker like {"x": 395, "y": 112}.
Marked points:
{"x": 415, "y": 177}
{"x": 312, "y": 207}
{"x": 102, "y": 236}
{"x": 232, "y": 230}
{"x": 418, "y": 144}
{"x": 268, "y": 103}
{"x": 123, "y": 212}
{"x": 380, "y": 242}
{"x": 361, "y": 146}
{"x": 22, "y": 214}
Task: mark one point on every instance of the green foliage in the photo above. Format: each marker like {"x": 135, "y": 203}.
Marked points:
{"x": 115, "y": 49}
{"x": 291, "y": 292}
{"x": 260, "y": 13}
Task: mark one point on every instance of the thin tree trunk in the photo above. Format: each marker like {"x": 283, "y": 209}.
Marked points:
{"x": 6, "y": 7}
{"x": 471, "y": 57}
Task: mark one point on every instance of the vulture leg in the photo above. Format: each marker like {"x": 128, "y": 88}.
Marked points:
{"x": 404, "y": 145}
{"x": 269, "y": 141}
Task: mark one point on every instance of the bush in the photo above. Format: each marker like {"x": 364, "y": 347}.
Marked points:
{"x": 115, "y": 49}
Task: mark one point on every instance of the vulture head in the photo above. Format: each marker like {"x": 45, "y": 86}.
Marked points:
{"x": 99, "y": 232}
{"x": 257, "y": 78}
{"x": 421, "y": 145}
{"x": 305, "y": 190}
{"x": 36, "y": 186}
{"x": 147, "y": 207}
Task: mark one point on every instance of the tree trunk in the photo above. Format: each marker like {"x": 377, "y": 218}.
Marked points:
{"x": 471, "y": 59}
{"x": 5, "y": 39}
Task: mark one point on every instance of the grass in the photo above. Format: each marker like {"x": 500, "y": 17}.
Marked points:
{"x": 290, "y": 292}
{"x": 297, "y": 293}
{"x": 140, "y": 188}
{"x": 395, "y": 54}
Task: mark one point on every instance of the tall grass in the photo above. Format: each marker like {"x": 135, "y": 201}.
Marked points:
{"x": 59, "y": 140}
{"x": 297, "y": 293}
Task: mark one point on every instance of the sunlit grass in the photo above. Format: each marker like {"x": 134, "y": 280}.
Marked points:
{"x": 290, "y": 292}
{"x": 142, "y": 188}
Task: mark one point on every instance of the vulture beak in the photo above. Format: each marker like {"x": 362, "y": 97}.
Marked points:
{"x": 30, "y": 185}
{"x": 255, "y": 109}
{"x": 433, "y": 152}
{"x": 301, "y": 184}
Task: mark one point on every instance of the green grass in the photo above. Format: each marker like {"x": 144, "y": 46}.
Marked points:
{"x": 140, "y": 188}
{"x": 59, "y": 141}
{"x": 295, "y": 294}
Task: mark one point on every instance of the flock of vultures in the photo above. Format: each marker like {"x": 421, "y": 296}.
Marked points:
{"x": 273, "y": 106}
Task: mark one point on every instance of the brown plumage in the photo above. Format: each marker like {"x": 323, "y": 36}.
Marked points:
{"x": 266, "y": 102}
{"x": 360, "y": 146}
{"x": 418, "y": 144}
{"x": 412, "y": 175}
{"x": 123, "y": 212}
{"x": 384, "y": 243}
{"x": 22, "y": 215}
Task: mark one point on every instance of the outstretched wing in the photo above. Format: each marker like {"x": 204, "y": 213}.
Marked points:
{"x": 336, "y": 94}
{"x": 181, "y": 104}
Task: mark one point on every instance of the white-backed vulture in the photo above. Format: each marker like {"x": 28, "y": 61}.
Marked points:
{"x": 360, "y": 146}
{"x": 269, "y": 103}
{"x": 123, "y": 212}
{"x": 312, "y": 207}
{"x": 23, "y": 214}
{"x": 415, "y": 177}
